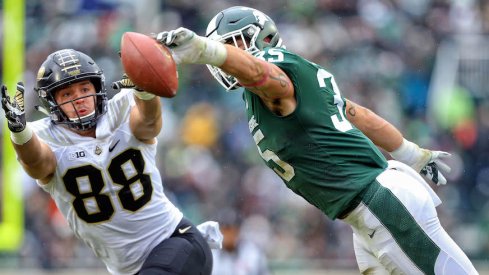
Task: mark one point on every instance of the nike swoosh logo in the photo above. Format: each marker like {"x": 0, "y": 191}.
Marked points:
{"x": 111, "y": 148}
{"x": 371, "y": 235}
{"x": 183, "y": 230}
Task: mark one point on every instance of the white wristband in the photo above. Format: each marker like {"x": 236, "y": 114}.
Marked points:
{"x": 144, "y": 95}
{"x": 21, "y": 137}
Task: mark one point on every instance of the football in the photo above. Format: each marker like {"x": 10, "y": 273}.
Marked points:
{"x": 149, "y": 64}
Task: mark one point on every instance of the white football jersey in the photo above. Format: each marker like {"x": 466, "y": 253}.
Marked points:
{"x": 109, "y": 189}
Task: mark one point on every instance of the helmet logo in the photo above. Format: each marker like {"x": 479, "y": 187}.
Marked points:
{"x": 40, "y": 73}
{"x": 69, "y": 62}
{"x": 260, "y": 17}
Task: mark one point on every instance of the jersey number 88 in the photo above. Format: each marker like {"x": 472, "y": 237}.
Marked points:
{"x": 126, "y": 197}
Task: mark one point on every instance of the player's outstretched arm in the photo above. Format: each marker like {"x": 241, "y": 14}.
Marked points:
{"x": 263, "y": 78}
{"x": 385, "y": 135}
{"x": 145, "y": 118}
{"x": 34, "y": 155}
{"x": 260, "y": 77}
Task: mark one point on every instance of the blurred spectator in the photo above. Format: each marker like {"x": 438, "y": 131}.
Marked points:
{"x": 239, "y": 254}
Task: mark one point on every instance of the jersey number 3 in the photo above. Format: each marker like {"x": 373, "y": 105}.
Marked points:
{"x": 339, "y": 120}
{"x": 93, "y": 175}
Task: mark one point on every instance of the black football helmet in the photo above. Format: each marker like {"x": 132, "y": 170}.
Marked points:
{"x": 63, "y": 68}
{"x": 246, "y": 24}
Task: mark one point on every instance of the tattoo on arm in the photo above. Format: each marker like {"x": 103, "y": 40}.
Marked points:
{"x": 281, "y": 78}
{"x": 352, "y": 111}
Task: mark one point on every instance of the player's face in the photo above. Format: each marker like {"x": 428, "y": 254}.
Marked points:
{"x": 77, "y": 100}
{"x": 239, "y": 43}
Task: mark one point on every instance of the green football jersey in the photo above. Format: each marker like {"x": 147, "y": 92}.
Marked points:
{"x": 317, "y": 152}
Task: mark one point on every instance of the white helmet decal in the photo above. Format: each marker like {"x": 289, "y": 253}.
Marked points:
{"x": 212, "y": 25}
{"x": 260, "y": 17}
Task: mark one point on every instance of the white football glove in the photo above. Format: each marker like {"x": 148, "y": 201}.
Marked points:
{"x": 190, "y": 48}
{"x": 428, "y": 163}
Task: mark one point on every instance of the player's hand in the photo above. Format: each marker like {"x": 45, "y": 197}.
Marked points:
{"x": 14, "y": 109}
{"x": 124, "y": 83}
{"x": 429, "y": 163}
{"x": 189, "y": 48}
{"x": 432, "y": 171}
{"x": 175, "y": 38}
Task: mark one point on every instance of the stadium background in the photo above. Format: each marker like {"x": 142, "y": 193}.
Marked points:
{"x": 421, "y": 64}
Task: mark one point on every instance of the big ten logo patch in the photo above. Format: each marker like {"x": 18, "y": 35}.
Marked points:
{"x": 77, "y": 155}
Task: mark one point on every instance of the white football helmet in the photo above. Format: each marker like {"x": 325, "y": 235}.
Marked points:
{"x": 248, "y": 25}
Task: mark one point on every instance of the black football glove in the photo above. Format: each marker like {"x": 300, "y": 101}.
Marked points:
{"x": 14, "y": 110}
{"x": 125, "y": 83}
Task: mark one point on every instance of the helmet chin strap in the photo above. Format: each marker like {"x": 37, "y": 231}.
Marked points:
{"x": 77, "y": 119}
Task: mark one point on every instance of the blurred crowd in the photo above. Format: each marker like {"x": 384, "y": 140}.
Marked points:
{"x": 383, "y": 54}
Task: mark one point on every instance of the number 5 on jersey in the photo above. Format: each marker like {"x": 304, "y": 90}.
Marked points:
{"x": 286, "y": 171}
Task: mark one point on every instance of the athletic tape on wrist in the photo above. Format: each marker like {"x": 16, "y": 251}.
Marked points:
{"x": 144, "y": 95}
{"x": 215, "y": 53}
{"x": 408, "y": 152}
{"x": 21, "y": 137}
